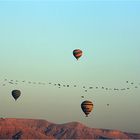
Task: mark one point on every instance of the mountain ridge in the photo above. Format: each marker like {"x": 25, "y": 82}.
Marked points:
{"x": 13, "y": 128}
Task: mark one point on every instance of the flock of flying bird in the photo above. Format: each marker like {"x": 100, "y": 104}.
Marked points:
{"x": 86, "y": 106}
{"x": 85, "y": 88}
{"x": 16, "y": 82}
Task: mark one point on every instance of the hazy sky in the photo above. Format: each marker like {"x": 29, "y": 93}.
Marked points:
{"x": 36, "y": 43}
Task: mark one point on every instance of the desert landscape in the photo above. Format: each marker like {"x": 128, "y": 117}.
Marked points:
{"x": 11, "y": 128}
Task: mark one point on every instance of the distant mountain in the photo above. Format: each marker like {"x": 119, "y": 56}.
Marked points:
{"x": 40, "y": 129}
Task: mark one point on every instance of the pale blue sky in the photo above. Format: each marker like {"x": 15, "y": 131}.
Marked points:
{"x": 36, "y": 43}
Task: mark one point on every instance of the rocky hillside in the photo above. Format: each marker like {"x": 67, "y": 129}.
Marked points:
{"x": 40, "y": 129}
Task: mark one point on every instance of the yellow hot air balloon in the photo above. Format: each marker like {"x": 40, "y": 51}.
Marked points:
{"x": 87, "y": 107}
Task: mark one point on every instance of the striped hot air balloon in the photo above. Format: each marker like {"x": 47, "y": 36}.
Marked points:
{"x": 87, "y": 107}
{"x": 77, "y": 53}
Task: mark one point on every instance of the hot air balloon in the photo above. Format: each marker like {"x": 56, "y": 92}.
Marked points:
{"x": 77, "y": 53}
{"x": 87, "y": 107}
{"x": 16, "y": 94}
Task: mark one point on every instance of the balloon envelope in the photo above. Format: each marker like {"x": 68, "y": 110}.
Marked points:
{"x": 16, "y": 94}
{"x": 77, "y": 53}
{"x": 87, "y": 107}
